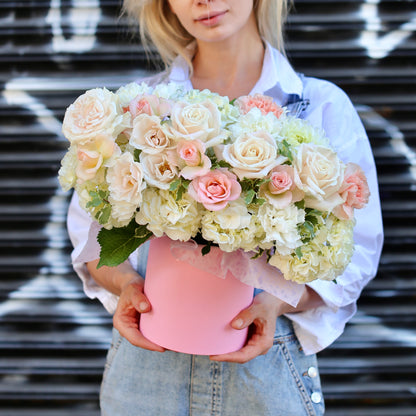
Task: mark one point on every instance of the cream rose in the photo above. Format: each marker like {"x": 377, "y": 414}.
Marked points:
{"x": 125, "y": 180}
{"x": 252, "y": 155}
{"x": 159, "y": 169}
{"x": 95, "y": 112}
{"x": 319, "y": 174}
{"x": 199, "y": 121}
{"x": 93, "y": 155}
{"x": 148, "y": 134}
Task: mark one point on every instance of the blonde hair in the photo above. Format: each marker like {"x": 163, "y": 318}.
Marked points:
{"x": 159, "y": 26}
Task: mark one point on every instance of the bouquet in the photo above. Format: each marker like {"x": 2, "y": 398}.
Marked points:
{"x": 193, "y": 165}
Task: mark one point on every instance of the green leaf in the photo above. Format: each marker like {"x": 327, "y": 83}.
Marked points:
{"x": 175, "y": 184}
{"x": 258, "y": 254}
{"x": 118, "y": 243}
{"x": 298, "y": 252}
{"x": 224, "y": 164}
{"x": 179, "y": 193}
{"x": 206, "y": 249}
{"x": 136, "y": 155}
{"x": 259, "y": 201}
{"x": 233, "y": 101}
{"x": 284, "y": 149}
{"x": 300, "y": 204}
{"x": 250, "y": 194}
{"x": 105, "y": 214}
{"x": 335, "y": 281}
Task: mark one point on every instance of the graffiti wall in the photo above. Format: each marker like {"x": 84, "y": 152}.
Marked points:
{"x": 52, "y": 339}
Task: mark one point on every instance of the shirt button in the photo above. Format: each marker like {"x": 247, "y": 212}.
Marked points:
{"x": 312, "y": 372}
{"x": 316, "y": 397}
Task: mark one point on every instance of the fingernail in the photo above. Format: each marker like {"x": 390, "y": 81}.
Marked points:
{"x": 143, "y": 306}
{"x": 238, "y": 323}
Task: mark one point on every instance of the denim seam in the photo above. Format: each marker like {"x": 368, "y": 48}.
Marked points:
{"x": 298, "y": 380}
{"x": 191, "y": 384}
{"x": 216, "y": 390}
{"x": 109, "y": 362}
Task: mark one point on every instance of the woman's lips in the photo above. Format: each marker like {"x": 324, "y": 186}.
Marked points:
{"x": 211, "y": 19}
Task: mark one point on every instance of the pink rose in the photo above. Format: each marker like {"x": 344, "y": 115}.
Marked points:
{"x": 264, "y": 103}
{"x": 215, "y": 189}
{"x": 150, "y": 105}
{"x": 281, "y": 190}
{"x": 193, "y": 159}
{"x": 354, "y": 191}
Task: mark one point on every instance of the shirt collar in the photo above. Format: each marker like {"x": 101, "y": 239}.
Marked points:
{"x": 278, "y": 79}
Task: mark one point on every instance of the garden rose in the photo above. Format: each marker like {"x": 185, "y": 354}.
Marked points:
{"x": 150, "y": 105}
{"x": 215, "y": 189}
{"x": 199, "y": 121}
{"x": 263, "y": 103}
{"x": 159, "y": 169}
{"x": 92, "y": 156}
{"x": 319, "y": 174}
{"x": 281, "y": 190}
{"x": 252, "y": 155}
{"x": 97, "y": 111}
{"x": 192, "y": 159}
{"x": 125, "y": 180}
{"x": 148, "y": 134}
{"x": 354, "y": 191}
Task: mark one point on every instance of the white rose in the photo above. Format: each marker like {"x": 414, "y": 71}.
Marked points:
{"x": 281, "y": 226}
{"x": 97, "y": 111}
{"x": 159, "y": 169}
{"x": 319, "y": 174}
{"x": 252, "y": 155}
{"x": 148, "y": 134}
{"x": 162, "y": 213}
{"x": 199, "y": 121}
{"x": 95, "y": 154}
{"x": 125, "y": 180}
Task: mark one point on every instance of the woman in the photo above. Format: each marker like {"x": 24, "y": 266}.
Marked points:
{"x": 231, "y": 47}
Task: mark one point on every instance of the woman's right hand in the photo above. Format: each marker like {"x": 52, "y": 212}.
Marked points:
{"x": 133, "y": 302}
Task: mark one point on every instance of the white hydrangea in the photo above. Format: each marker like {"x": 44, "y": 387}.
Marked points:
{"x": 66, "y": 175}
{"x": 163, "y": 214}
{"x": 281, "y": 226}
{"x": 255, "y": 121}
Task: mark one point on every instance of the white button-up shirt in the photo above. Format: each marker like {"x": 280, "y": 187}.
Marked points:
{"x": 331, "y": 110}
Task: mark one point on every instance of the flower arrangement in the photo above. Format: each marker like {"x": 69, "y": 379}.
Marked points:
{"x": 241, "y": 174}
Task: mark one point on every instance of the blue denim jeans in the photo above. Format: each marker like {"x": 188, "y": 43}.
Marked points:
{"x": 284, "y": 382}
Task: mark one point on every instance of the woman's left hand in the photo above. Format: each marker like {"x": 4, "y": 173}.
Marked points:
{"x": 261, "y": 317}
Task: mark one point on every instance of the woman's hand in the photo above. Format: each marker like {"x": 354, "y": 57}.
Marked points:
{"x": 261, "y": 317}
{"x": 126, "y": 283}
{"x": 131, "y": 304}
